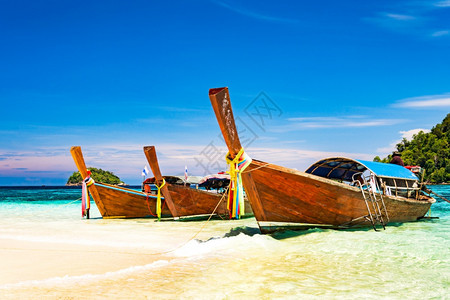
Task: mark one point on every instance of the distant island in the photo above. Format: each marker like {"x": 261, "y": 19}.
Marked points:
{"x": 429, "y": 150}
{"x": 98, "y": 175}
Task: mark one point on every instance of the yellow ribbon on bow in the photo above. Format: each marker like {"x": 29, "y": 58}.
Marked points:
{"x": 158, "y": 199}
{"x": 236, "y": 192}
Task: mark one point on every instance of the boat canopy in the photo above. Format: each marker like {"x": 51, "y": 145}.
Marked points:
{"x": 175, "y": 179}
{"x": 215, "y": 181}
{"x": 344, "y": 168}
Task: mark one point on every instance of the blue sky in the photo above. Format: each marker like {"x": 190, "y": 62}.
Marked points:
{"x": 346, "y": 78}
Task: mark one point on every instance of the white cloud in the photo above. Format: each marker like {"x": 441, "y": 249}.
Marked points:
{"x": 127, "y": 161}
{"x": 445, "y": 3}
{"x": 130, "y": 159}
{"x": 298, "y": 158}
{"x": 27, "y": 161}
{"x": 440, "y": 33}
{"x": 395, "y": 21}
{"x": 334, "y": 122}
{"x": 249, "y": 13}
{"x": 433, "y": 101}
{"x": 413, "y": 18}
{"x": 384, "y": 151}
{"x": 409, "y": 133}
{"x": 400, "y": 17}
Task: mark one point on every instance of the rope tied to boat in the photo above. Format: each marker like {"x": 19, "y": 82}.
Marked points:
{"x": 158, "y": 199}
{"x": 235, "y": 201}
{"x": 85, "y": 199}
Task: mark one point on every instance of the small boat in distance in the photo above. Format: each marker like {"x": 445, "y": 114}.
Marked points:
{"x": 332, "y": 193}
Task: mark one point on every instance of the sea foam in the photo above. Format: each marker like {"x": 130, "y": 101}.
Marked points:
{"x": 86, "y": 278}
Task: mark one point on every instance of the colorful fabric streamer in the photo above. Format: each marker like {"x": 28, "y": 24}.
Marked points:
{"x": 85, "y": 199}
{"x": 235, "y": 202}
{"x": 158, "y": 199}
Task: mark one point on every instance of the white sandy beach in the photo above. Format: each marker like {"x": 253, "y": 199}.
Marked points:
{"x": 48, "y": 252}
{"x": 29, "y": 260}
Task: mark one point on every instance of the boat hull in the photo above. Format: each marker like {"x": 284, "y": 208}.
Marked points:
{"x": 310, "y": 201}
{"x": 287, "y": 196}
{"x": 118, "y": 202}
{"x": 189, "y": 201}
{"x": 177, "y": 200}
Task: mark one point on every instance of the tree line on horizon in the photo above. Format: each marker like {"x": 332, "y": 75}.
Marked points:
{"x": 98, "y": 175}
{"x": 429, "y": 151}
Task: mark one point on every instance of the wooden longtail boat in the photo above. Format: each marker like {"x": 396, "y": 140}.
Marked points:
{"x": 177, "y": 200}
{"x": 118, "y": 202}
{"x": 184, "y": 200}
{"x": 189, "y": 201}
{"x": 332, "y": 193}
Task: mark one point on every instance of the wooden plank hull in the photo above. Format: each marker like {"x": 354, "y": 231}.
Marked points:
{"x": 292, "y": 198}
{"x": 177, "y": 201}
{"x": 189, "y": 201}
{"x": 285, "y": 196}
{"x": 124, "y": 203}
{"x": 183, "y": 200}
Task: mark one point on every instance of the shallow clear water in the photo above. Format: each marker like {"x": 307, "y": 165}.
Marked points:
{"x": 229, "y": 259}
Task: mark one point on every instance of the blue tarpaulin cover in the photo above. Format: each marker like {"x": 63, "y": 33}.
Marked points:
{"x": 388, "y": 170}
{"x": 344, "y": 168}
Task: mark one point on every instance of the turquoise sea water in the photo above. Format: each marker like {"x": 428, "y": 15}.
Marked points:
{"x": 226, "y": 259}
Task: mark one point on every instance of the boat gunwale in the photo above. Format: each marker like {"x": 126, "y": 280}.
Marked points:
{"x": 119, "y": 188}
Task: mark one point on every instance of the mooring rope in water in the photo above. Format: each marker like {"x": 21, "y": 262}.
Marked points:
{"x": 442, "y": 197}
{"x": 198, "y": 232}
{"x": 71, "y": 202}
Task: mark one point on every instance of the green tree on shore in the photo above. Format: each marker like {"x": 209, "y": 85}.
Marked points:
{"x": 97, "y": 174}
{"x": 428, "y": 150}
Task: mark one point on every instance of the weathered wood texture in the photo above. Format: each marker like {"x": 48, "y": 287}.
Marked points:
{"x": 150, "y": 154}
{"x": 125, "y": 203}
{"x": 220, "y": 100}
{"x": 186, "y": 201}
{"x": 279, "y": 194}
{"x": 77, "y": 156}
{"x": 119, "y": 202}
{"x": 292, "y": 196}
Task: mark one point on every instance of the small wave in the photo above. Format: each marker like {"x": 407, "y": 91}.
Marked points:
{"x": 86, "y": 277}
{"x": 237, "y": 238}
